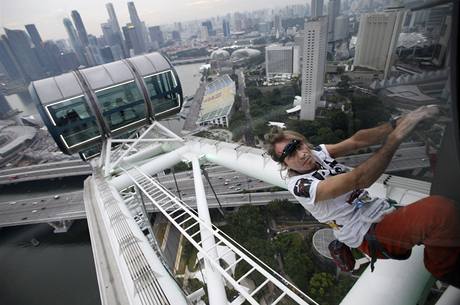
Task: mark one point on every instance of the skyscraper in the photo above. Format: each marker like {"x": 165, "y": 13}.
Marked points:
{"x": 134, "y": 39}
{"x": 226, "y": 28}
{"x": 80, "y": 28}
{"x": 313, "y": 65}
{"x": 377, "y": 38}
{"x": 117, "y": 35}
{"x": 4, "y": 106}
{"x": 156, "y": 35}
{"x": 278, "y": 60}
{"x": 333, "y": 11}
{"x": 18, "y": 41}
{"x": 34, "y": 35}
{"x": 316, "y": 8}
{"x": 8, "y": 61}
{"x": 341, "y": 26}
{"x": 138, "y": 27}
{"x": 208, "y": 26}
{"x": 113, "y": 20}
{"x": 75, "y": 41}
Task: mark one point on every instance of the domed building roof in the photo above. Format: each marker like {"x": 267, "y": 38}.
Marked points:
{"x": 220, "y": 55}
{"x": 244, "y": 53}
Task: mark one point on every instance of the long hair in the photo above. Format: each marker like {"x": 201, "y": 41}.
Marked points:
{"x": 277, "y": 135}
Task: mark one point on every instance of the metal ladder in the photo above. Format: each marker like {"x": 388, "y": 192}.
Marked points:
{"x": 188, "y": 223}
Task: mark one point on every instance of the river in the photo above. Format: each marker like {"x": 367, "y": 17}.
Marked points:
{"x": 60, "y": 270}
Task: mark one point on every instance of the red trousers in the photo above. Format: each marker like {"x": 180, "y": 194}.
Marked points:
{"x": 434, "y": 222}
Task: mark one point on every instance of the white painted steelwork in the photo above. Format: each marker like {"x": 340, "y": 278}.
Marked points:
{"x": 175, "y": 211}
{"x": 214, "y": 281}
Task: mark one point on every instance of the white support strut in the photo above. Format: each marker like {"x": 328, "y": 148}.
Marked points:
{"x": 214, "y": 281}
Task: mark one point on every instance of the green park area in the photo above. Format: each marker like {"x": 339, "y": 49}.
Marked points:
{"x": 291, "y": 254}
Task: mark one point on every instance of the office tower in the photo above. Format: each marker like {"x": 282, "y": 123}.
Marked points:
{"x": 316, "y": 8}
{"x": 156, "y": 35}
{"x": 175, "y": 35}
{"x": 68, "y": 61}
{"x": 9, "y": 62}
{"x": 53, "y": 52}
{"x": 204, "y": 33}
{"x": 277, "y": 25}
{"x": 377, "y": 38}
{"x": 117, "y": 52}
{"x": 278, "y": 60}
{"x": 226, "y": 28}
{"x": 208, "y": 26}
{"x": 75, "y": 41}
{"x": 113, "y": 20}
{"x": 333, "y": 11}
{"x": 313, "y": 65}
{"x": 341, "y": 26}
{"x": 82, "y": 34}
{"x": 34, "y": 35}
{"x": 18, "y": 41}
{"x": 134, "y": 39}
{"x": 117, "y": 38}
{"x": 107, "y": 55}
{"x": 4, "y": 106}
{"x": 137, "y": 27}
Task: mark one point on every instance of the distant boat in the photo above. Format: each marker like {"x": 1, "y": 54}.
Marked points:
{"x": 34, "y": 242}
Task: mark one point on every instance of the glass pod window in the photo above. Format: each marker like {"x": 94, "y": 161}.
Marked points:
{"x": 163, "y": 91}
{"x": 73, "y": 120}
{"x": 121, "y": 105}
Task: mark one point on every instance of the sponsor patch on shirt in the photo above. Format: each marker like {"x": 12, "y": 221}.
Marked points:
{"x": 302, "y": 187}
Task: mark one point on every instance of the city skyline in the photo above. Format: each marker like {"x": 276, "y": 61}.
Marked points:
{"x": 48, "y": 15}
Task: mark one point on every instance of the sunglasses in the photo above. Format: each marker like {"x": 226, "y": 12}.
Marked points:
{"x": 289, "y": 149}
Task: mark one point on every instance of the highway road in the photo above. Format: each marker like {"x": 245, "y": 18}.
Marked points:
{"x": 70, "y": 206}
{"x": 44, "y": 171}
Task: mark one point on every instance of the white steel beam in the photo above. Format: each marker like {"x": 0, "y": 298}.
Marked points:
{"x": 214, "y": 281}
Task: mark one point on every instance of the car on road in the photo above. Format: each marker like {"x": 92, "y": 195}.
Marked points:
{"x": 12, "y": 202}
{"x": 56, "y": 196}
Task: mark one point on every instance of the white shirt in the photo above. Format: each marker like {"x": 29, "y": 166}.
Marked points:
{"x": 350, "y": 221}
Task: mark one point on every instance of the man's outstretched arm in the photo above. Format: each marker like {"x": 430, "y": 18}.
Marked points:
{"x": 368, "y": 172}
{"x": 361, "y": 139}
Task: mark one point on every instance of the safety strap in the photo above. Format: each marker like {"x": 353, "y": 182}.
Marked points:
{"x": 375, "y": 247}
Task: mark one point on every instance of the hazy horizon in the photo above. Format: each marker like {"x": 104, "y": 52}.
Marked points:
{"x": 47, "y": 15}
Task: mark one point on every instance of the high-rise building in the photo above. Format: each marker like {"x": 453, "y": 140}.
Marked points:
{"x": 204, "y": 33}
{"x": 18, "y": 41}
{"x": 175, "y": 35}
{"x": 117, "y": 37}
{"x": 134, "y": 39}
{"x": 113, "y": 20}
{"x": 9, "y": 62}
{"x": 208, "y": 26}
{"x": 138, "y": 28}
{"x": 53, "y": 52}
{"x": 316, "y": 8}
{"x": 226, "y": 28}
{"x": 156, "y": 35}
{"x": 313, "y": 65}
{"x": 333, "y": 11}
{"x": 81, "y": 30}
{"x": 278, "y": 61}
{"x": 341, "y": 26}
{"x": 107, "y": 55}
{"x": 75, "y": 41}
{"x": 34, "y": 35}
{"x": 4, "y": 106}
{"x": 377, "y": 38}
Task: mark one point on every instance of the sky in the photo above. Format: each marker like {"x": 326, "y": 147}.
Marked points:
{"x": 47, "y": 15}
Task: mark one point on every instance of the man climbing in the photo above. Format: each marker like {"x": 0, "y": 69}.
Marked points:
{"x": 335, "y": 195}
